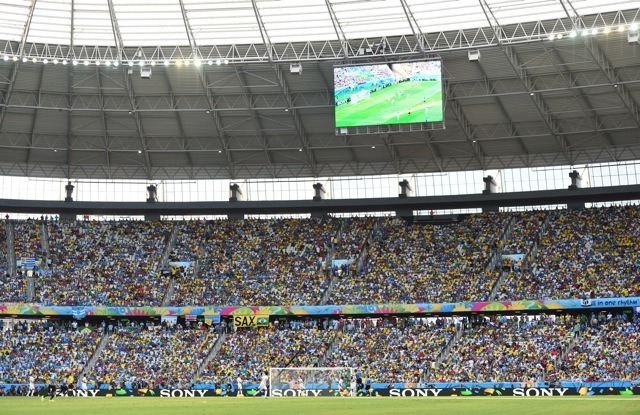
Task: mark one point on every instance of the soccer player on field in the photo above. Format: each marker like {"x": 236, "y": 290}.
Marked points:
{"x": 32, "y": 386}
{"x": 51, "y": 391}
{"x": 239, "y": 382}
{"x": 263, "y": 384}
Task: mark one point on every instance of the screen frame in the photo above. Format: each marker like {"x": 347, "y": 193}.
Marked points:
{"x": 390, "y": 127}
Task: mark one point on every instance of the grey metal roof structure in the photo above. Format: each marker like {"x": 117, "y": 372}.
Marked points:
{"x": 558, "y": 83}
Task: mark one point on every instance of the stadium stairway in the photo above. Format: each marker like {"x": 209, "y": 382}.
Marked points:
{"x": 197, "y": 265}
{"x": 94, "y": 358}
{"x": 445, "y": 352}
{"x": 164, "y": 264}
{"x": 533, "y": 253}
{"x": 332, "y": 346}
{"x": 44, "y": 236}
{"x": 212, "y": 353}
{"x": 329, "y": 267}
{"x": 166, "y": 300}
{"x": 11, "y": 249}
{"x": 495, "y": 260}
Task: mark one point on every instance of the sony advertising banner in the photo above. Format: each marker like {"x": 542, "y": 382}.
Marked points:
{"x": 390, "y": 392}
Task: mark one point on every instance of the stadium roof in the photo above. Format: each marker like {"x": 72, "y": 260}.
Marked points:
{"x": 558, "y": 83}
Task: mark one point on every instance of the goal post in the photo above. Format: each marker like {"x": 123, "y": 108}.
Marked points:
{"x": 360, "y": 96}
{"x": 308, "y": 381}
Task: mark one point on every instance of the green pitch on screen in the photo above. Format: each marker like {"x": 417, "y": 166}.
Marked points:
{"x": 402, "y": 103}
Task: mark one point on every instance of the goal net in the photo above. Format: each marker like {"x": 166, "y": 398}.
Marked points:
{"x": 309, "y": 381}
{"x": 360, "y": 96}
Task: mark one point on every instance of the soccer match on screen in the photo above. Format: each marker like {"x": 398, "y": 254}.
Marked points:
{"x": 384, "y": 94}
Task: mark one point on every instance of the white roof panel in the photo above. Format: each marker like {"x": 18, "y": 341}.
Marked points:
{"x": 222, "y": 22}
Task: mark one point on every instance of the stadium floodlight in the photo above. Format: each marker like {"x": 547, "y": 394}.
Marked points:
{"x": 107, "y": 63}
{"x": 152, "y": 63}
{"x": 226, "y": 61}
{"x": 594, "y": 31}
{"x": 75, "y": 62}
{"x": 551, "y": 36}
{"x": 166, "y": 63}
{"x": 209, "y": 62}
{"x": 116, "y": 63}
{"x": 15, "y": 58}
{"x": 218, "y": 61}
{"x": 560, "y": 35}
{"x": 585, "y": 32}
{"x": 86, "y": 63}
{"x": 197, "y": 62}
{"x": 65, "y": 62}
{"x": 474, "y": 55}
{"x": 573, "y": 33}
{"x": 606, "y": 30}
{"x": 55, "y": 61}
{"x": 45, "y": 61}
{"x": 97, "y": 63}
{"x": 295, "y": 68}
{"x": 34, "y": 60}
{"x": 24, "y": 59}
{"x": 130, "y": 63}
{"x": 145, "y": 72}
{"x": 633, "y": 27}
{"x": 5, "y": 57}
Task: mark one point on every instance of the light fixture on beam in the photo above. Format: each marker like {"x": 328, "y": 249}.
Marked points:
{"x": 145, "y": 72}
{"x": 295, "y": 68}
{"x": 474, "y": 55}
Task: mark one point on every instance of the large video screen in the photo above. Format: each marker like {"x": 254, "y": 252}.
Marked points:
{"x": 389, "y": 93}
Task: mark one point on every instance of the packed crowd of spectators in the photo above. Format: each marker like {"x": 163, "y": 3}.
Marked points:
{"x": 47, "y": 351}
{"x": 583, "y": 253}
{"x": 105, "y": 263}
{"x": 506, "y": 349}
{"x": 4, "y": 257}
{"x": 187, "y": 245}
{"x": 27, "y": 239}
{"x": 526, "y": 227}
{"x": 425, "y": 263}
{"x": 391, "y": 350}
{"x": 353, "y": 237}
{"x": 606, "y": 350}
{"x": 12, "y": 287}
{"x": 260, "y": 262}
{"x": 153, "y": 355}
{"x": 249, "y": 352}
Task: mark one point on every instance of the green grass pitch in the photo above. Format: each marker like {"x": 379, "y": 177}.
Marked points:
{"x": 406, "y": 102}
{"x": 614, "y": 405}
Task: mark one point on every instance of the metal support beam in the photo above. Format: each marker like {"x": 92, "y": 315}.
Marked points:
{"x": 242, "y": 79}
{"x": 105, "y": 136}
{"x": 525, "y": 78}
{"x": 400, "y": 47}
{"x": 299, "y": 128}
{"x": 211, "y": 106}
{"x": 183, "y": 136}
{"x": 139, "y": 131}
{"x": 16, "y": 66}
{"x": 592, "y": 118}
{"x": 601, "y": 60}
{"x": 32, "y": 138}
